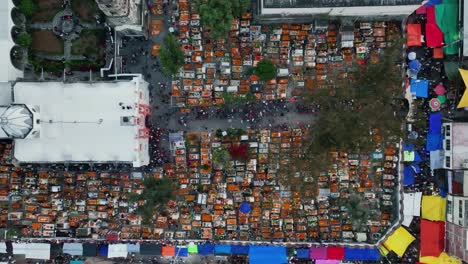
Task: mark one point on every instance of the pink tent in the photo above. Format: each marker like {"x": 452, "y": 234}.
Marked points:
{"x": 318, "y": 253}
{"x": 323, "y": 261}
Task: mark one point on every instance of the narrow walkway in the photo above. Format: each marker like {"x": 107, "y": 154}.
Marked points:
{"x": 43, "y": 26}
{"x": 67, "y": 45}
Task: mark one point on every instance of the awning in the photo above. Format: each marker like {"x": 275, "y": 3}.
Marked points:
{"x": 192, "y": 248}
{"x": 362, "y": 254}
{"x": 434, "y": 142}
{"x": 464, "y": 100}
{"x": 433, "y": 208}
{"x": 302, "y": 253}
{"x": 444, "y": 258}
{"x": 89, "y": 250}
{"x": 181, "y": 251}
{"x": 267, "y": 254}
{"x": 434, "y": 36}
{"x": 117, "y": 251}
{"x": 411, "y": 206}
{"x": 206, "y": 249}
{"x": 413, "y": 35}
{"x": 432, "y": 238}
{"x": 399, "y": 241}
{"x": 335, "y": 253}
{"x": 150, "y": 249}
{"x": 133, "y": 248}
{"x": 19, "y": 248}
{"x": 318, "y": 253}
{"x": 103, "y": 250}
{"x": 74, "y": 249}
{"x": 242, "y": 250}
{"x": 168, "y": 251}
{"x": 37, "y": 251}
{"x": 222, "y": 249}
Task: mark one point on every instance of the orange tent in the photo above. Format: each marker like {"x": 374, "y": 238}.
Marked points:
{"x": 168, "y": 251}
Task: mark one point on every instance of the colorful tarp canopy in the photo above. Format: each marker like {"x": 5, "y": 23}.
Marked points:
{"x": 435, "y": 123}
{"x": 76, "y": 262}
{"x": 444, "y": 258}
{"x": 181, "y": 251}
{"x": 411, "y": 206}
{"x": 366, "y": 254}
{"x": 413, "y": 35}
{"x": 37, "y": 251}
{"x": 103, "y": 250}
{"x": 335, "y": 253}
{"x": 447, "y": 20}
{"x": 192, "y": 248}
{"x": 243, "y": 250}
{"x": 302, "y": 253}
{"x": 434, "y": 36}
{"x": 414, "y": 66}
{"x": 432, "y": 237}
{"x": 168, "y": 251}
{"x": 464, "y": 100}
{"x": 74, "y": 249}
{"x": 89, "y": 250}
{"x": 206, "y": 249}
{"x": 433, "y": 208}
{"x": 419, "y": 87}
{"x": 222, "y": 249}
{"x": 408, "y": 176}
{"x": 434, "y": 141}
{"x": 133, "y": 248}
{"x": 117, "y": 251}
{"x": 150, "y": 249}
{"x": 437, "y": 159}
{"x": 244, "y": 207}
{"x": 267, "y": 254}
{"x": 324, "y": 261}
{"x": 399, "y": 241}
{"x": 318, "y": 253}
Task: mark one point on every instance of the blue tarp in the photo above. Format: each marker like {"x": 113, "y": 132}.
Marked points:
{"x": 419, "y": 87}
{"x": 222, "y": 249}
{"x": 408, "y": 147}
{"x": 76, "y": 262}
{"x": 408, "y": 175}
{"x": 206, "y": 249}
{"x": 435, "y": 123}
{"x": 302, "y": 253}
{"x": 417, "y": 157}
{"x": 415, "y": 167}
{"x": 414, "y": 66}
{"x": 434, "y": 142}
{"x": 181, "y": 251}
{"x": 267, "y": 255}
{"x": 103, "y": 249}
{"x": 365, "y": 254}
{"x": 240, "y": 250}
{"x": 244, "y": 208}
{"x": 433, "y": 3}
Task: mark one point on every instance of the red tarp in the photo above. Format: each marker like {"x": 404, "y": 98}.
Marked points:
{"x": 335, "y": 253}
{"x": 434, "y": 36}
{"x": 413, "y": 36}
{"x": 421, "y": 10}
{"x": 438, "y": 53}
{"x": 432, "y": 237}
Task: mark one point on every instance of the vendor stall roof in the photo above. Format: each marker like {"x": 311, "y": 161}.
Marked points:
{"x": 85, "y": 122}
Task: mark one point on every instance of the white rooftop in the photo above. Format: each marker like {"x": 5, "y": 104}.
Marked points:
{"x": 8, "y": 72}
{"x": 81, "y": 122}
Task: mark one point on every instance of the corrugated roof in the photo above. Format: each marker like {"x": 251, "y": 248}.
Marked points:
{"x": 334, "y": 3}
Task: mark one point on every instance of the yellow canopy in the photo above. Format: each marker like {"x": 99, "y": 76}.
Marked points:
{"x": 433, "y": 208}
{"x": 399, "y": 241}
{"x": 464, "y": 100}
{"x": 444, "y": 258}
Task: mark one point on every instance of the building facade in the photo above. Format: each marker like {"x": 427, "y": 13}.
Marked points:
{"x": 127, "y": 16}
{"x": 367, "y": 8}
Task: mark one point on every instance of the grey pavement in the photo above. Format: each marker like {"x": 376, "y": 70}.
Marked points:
{"x": 44, "y": 26}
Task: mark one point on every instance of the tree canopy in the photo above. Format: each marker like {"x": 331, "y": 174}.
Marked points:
{"x": 240, "y": 7}
{"x": 221, "y": 158}
{"x": 157, "y": 192}
{"x": 28, "y": 7}
{"x": 171, "y": 55}
{"x": 24, "y": 39}
{"x": 265, "y": 70}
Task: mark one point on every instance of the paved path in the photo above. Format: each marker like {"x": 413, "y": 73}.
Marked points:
{"x": 43, "y": 26}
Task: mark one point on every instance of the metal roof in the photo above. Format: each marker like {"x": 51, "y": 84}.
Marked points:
{"x": 334, "y": 3}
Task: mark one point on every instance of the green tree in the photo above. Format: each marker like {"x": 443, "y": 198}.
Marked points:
{"x": 24, "y": 39}
{"x": 28, "y": 7}
{"x": 357, "y": 212}
{"x": 265, "y": 70}
{"x": 157, "y": 192}
{"x": 221, "y": 158}
{"x": 171, "y": 55}
{"x": 217, "y": 15}
{"x": 240, "y": 7}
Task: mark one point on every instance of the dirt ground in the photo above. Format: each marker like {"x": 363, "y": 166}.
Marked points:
{"x": 86, "y": 9}
{"x": 47, "y": 10}
{"x": 46, "y": 41}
